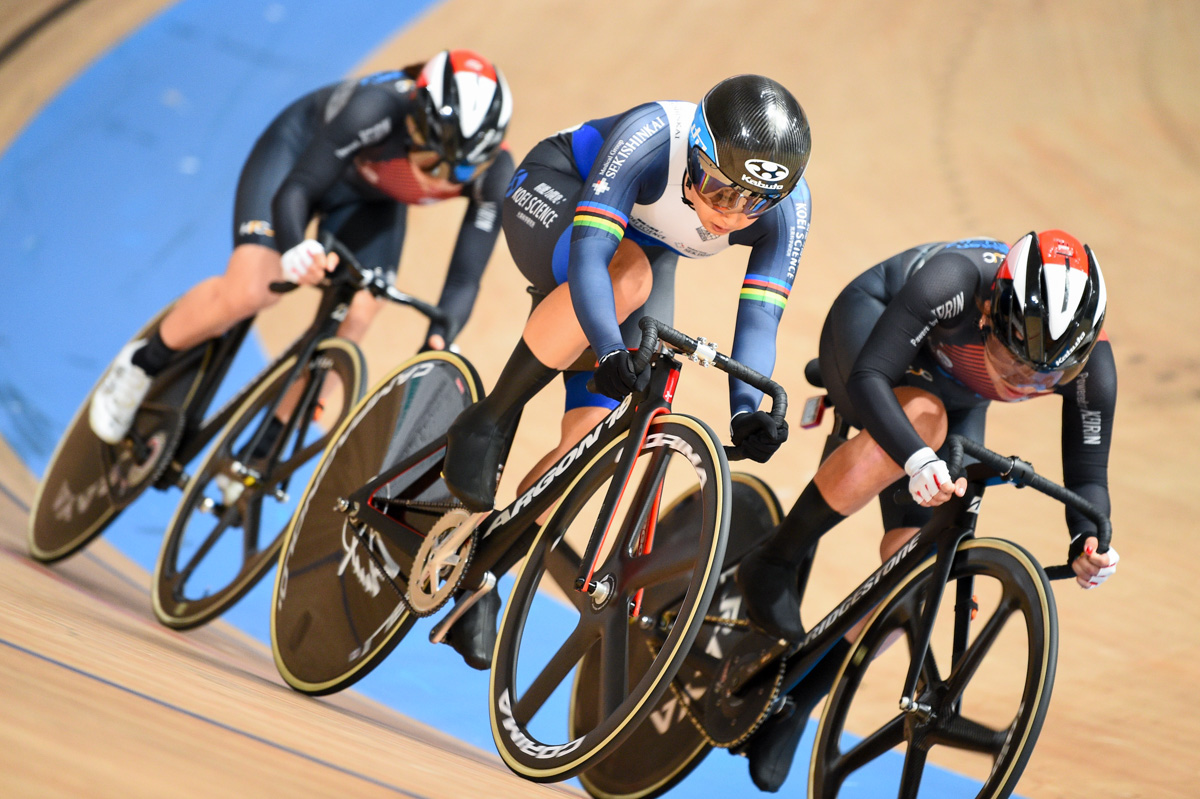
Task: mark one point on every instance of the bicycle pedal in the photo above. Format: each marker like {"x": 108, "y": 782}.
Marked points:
{"x": 438, "y": 634}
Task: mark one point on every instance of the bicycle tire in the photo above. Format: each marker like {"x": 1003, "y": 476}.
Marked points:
{"x": 176, "y": 596}
{"x": 523, "y": 749}
{"x": 1024, "y": 594}
{"x": 335, "y": 614}
{"x": 63, "y": 519}
{"x": 670, "y": 743}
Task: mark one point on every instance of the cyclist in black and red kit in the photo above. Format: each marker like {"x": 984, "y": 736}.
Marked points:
{"x": 355, "y": 154}
{"x": 912, "y": 350}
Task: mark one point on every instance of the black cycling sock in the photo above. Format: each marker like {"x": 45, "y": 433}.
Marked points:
{"x": 154, "y": 356}
{"x": 477, "y": 443}
{"x": 808, "y": 520}
{"x": 521, "y": 379}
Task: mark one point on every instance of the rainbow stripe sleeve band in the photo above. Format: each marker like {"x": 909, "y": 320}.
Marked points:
{"x": 763, "y": 288}
{"x": 601, "y": 217}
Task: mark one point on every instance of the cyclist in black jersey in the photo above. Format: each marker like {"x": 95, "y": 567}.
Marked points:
{"x": 912, "y": 350}
{"x": 596, "y": 217}
{"x": 355, "y": 154}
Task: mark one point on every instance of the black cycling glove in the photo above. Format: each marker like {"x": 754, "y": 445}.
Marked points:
{"x": 615, "y": 376}
{"x": 757, "y": 434}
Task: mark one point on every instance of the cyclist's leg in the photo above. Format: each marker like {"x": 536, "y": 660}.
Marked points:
{"x": 585, "y": 409}
{"x": 551, "y": 341}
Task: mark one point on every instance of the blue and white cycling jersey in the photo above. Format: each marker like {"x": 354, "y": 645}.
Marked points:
{"x": 633, "y": 165}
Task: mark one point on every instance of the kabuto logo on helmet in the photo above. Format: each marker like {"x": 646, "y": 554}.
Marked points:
{"x": 767, "y": 171}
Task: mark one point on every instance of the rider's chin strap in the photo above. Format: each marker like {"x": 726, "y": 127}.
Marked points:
{"x": 683, "y": 187}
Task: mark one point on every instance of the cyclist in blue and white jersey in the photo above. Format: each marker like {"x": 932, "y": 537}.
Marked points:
{"x": 596, "y": 217}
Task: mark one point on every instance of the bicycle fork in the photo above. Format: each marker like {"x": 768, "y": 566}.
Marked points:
{"x": 659, "y": 394}
{"x": 966, "y": 512}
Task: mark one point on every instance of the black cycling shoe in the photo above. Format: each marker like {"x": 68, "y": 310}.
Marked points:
{"x": 772, "y": 596}
{"x": 475, "y": 445}
{"x": 772, "y": 749}
{"x": 474, "y": 635}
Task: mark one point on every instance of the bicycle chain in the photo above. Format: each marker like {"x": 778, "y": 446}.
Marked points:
{"x": 689, "y": 712}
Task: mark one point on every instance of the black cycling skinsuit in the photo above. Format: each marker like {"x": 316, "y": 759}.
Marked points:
{"x": 341, "y": 152}
{"x": 580, "y": 192}
{"x": 915, "y": 320}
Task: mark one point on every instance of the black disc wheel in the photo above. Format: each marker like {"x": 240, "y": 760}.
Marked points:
{"x": 228, "y": 526}
{"x": 339, "y": 605}
{"x": 671, "y": 742}
{"x": 637, "y": 633}
{"x": 87, "y": 482}
{"x": 983, "y": 690}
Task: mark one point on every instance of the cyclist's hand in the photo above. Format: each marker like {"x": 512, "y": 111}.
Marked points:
{"x": 757, "y": 434}
{"x": 615, "y": 376}
{"x": 1091, "y": 568}
{"x": 434, "y": 342}
{"x": 929, "y": 479}
{"x": 307, "y": 263}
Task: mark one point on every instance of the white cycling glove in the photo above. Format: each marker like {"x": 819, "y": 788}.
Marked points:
{"x": 298, "y": 259}
{"x": 927, "y": 473}
{"x": 1104, "y": 573}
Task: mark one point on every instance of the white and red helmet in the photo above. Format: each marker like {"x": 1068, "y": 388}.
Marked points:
{"x": 1048, "y": 302}
{"x": 462, "y": 112}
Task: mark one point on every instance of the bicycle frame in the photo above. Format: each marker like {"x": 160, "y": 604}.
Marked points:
{"x": 953, "y": 522}
{"x": 199, "y": 430}
{"x": 506, "y": 534}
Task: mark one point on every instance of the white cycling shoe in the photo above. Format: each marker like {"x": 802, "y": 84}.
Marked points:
{"x": 116, "y": 401}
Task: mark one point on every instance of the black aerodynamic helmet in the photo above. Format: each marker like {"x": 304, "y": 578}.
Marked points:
{"x": 749, "y": 144}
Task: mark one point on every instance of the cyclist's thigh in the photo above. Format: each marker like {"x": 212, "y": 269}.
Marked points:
{"x": 373, "y": 231}
{"x": 272, "y": 158}
{"x": 661, "y": 302}
{"x": 538, "y": 212}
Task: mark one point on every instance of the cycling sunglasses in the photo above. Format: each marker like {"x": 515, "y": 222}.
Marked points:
{"x": 434, "y": 165}
{"x": 1018, "y": 374}
{"x": 720, "y": 194}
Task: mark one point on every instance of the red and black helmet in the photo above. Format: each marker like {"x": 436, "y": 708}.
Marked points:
{"x": 1048, "y": 302}
{"x": 462, "y": 111}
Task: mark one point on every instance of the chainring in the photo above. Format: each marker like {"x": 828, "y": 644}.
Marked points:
{"x": 441, "y": 561}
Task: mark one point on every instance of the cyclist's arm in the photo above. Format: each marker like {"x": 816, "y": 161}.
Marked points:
{"x": 476, "y": 240}
{"x": 368, "y": 117}
{"x": 894, "y": 342}
{"x": 620, "y": 177}
{"x": 777, "y": 241}
{"x": 1087, "y": 426}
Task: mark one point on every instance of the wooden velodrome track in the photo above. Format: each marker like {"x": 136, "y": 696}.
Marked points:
{"x": 931, "y": 120}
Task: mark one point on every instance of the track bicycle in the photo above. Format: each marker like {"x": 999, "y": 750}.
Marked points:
{"x": 991, "y": 596}
{"x": 242, "y": 480}
{"x": 378, "y": 542}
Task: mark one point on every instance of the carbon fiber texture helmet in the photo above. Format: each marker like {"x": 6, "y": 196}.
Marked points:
{"x": 751, "y": 137}
{"x": 1048, "y": 302}
{"x": 462, "y": 111}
